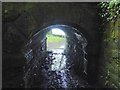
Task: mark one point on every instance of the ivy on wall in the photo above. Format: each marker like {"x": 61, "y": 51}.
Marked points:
{"x": 110, "y": 10}
{"x": 110, "y": 13}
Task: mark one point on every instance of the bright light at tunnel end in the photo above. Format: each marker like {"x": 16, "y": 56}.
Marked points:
{"x": 57, "y": 31}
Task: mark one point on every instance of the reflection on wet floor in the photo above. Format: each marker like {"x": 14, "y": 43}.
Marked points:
{"x": 55, "y": 72}
{"x": 59, "y": 61}
{"x": 58, "y": 65}
{"x": 56, "y": 69}
{"x": 59, "y": 75}
{"x": 61, "y": 79}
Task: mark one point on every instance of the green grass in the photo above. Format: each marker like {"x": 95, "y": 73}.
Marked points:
{"x": 55, "y": 39}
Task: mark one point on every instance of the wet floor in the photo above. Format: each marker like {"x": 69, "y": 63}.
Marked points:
{"x": 56, "y": 68}
{"x": 58, "y": 74}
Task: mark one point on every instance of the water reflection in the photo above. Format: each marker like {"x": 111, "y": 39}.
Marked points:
{"x": 59, "y": 67}
{"x": 59, "y": 74}
{"x": 54, "y": 69}
{"x": 59, "y": 61}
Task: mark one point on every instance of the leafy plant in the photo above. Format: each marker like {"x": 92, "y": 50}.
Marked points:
{"x": 110, "y": 9}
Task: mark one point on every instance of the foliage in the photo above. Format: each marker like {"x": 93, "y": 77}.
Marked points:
{"x": 110, "y": 10}
{"x": 54, "y": 39}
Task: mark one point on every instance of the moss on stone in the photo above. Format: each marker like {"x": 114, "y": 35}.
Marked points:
{"x": 111, "y": 50}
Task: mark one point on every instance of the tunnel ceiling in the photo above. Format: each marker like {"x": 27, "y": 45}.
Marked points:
{"x": 72, "y": 35}
{"x": 69, "y": 30}
{"x": 17, "y": 13}
{"x": 24, "y": 19}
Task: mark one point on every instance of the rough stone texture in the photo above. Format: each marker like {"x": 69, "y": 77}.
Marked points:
{"x": 23, "y": 20}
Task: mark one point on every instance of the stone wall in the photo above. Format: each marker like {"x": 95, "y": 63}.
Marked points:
{"x": 22, "y": 20}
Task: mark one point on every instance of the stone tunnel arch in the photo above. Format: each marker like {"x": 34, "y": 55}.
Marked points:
{"x": 35, "y": 51}
{"x": 88, "y": 21}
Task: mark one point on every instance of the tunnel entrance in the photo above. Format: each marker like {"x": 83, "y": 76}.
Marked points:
{"x": 56, "y": 38}
{"x": 56, "y": 67}
{"x": 56, "y": 43}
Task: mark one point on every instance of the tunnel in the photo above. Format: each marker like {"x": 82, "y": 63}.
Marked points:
{"x": 39, "y": 60}
{"x": 85, "y": 56}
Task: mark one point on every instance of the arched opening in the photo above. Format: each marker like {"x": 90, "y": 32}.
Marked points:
{"x": 56, "y": 43}
{"x": 63, "y": 65}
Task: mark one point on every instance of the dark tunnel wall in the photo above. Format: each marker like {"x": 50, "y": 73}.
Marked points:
{"x": 22, "y": 20}
{"x": 36, "y": 53}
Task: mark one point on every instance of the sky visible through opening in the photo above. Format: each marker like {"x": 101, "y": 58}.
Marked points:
{"x": 56, "y": 38}
{"x": 57, "y": 31}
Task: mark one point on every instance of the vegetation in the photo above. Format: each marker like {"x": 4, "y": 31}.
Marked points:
{"x": 54, "y": 39}
{"x": 110, "y": 10}
{"x": 111, "y": 15}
